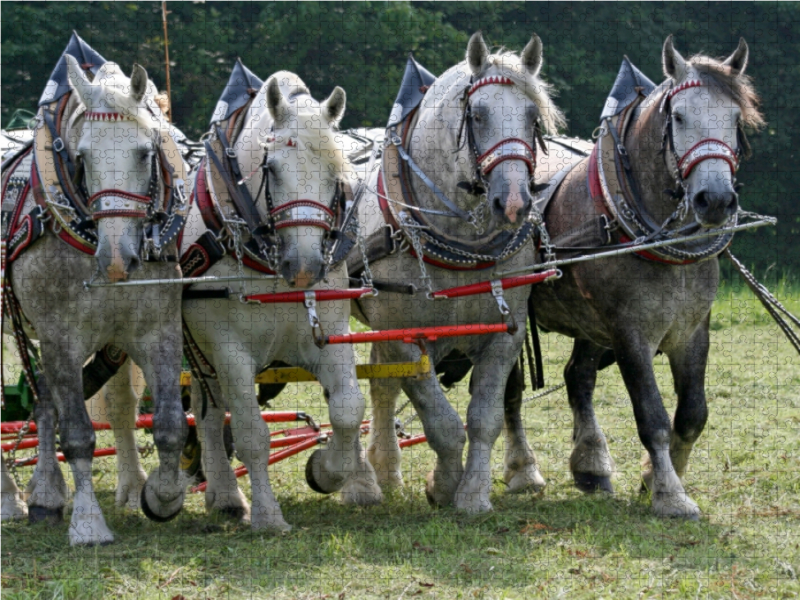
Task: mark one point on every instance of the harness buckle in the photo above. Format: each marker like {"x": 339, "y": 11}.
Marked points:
{"x": 310, "y": 302}
{"x": 58, "y": 144}
{"x": 230, "y": 152}
{"x": 497, "y": 292}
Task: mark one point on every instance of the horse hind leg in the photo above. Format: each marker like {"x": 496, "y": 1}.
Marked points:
{"x": 590, "y": 462}
{"x": 47, "y": 491}
{"x": 223, "y": 494}
{"x": 688, "y": 365}
{"x": 121, "y": 402}
{"x": 521, "y": 469}
{"x": 12, "y": 507}
{"x": 383, "y": 450}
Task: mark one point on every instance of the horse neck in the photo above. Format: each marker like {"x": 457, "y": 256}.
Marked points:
{"x": 644, "y": 145}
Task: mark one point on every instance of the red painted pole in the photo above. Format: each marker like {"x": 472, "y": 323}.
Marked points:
{"x": 485, "y": 287}
{"x": 319, "y": 296}
{"x": 414, "y": 334}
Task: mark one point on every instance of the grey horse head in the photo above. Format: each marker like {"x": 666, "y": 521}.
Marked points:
{"x": 708, "y": 104}
{"x": 117, "y": 140}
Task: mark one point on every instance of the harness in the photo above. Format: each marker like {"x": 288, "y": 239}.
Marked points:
{"x": 615, "y": 192}
{"x": 407, "y": 226}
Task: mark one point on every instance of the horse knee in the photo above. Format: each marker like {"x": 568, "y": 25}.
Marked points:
{"x": 689, "y": 424}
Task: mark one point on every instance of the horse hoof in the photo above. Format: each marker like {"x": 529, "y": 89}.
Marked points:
{"x": 314, "y": 475}
{"x": 153, "y": 516}
{"x": 589, "y": 483}
{"x": 40, "y": 514}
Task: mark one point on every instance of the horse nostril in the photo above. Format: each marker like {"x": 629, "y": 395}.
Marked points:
{"x": 701, "y": 201}
{"x": 497, "y": 203}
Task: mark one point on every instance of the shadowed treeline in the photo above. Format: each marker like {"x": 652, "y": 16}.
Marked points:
{"x": 363, "y": 46}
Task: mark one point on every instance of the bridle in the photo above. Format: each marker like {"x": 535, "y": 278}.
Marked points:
{"x": 709, "y": 148}
{"x": 295, "y": 213}
{"x": 507, "y": 149}
{"x": 163, "y": 219}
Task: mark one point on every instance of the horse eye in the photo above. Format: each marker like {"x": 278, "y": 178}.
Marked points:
{"x": 678, "y": 118}
{"x": 477, "y": 118}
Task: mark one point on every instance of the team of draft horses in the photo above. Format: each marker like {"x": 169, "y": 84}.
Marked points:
{"x": 259, "y": 254}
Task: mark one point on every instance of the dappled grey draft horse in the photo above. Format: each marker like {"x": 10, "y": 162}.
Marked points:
{"x": 686, "y": 137}
{"x": 295, "y": 138}
{"x": 474, "y": 136}
{"x": 113, "y": 130}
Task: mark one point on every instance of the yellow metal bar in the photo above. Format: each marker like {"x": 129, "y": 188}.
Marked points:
{"x": 420, "y": 369}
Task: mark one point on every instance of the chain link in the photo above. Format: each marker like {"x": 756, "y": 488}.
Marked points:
{"x": 11, "y": 461}
{"x": 410, "y": 228}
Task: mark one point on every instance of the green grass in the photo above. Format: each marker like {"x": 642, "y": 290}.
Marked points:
{"x": 745, "y": 474}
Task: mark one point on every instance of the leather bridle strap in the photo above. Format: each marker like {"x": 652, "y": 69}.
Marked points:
{"x": 290, "y": 215}
{"x": 117, "y": 203}
{"x": 404, "y": 156}
{"x": 240, "y": 195}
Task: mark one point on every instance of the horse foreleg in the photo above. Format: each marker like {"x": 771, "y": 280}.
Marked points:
{"x": 591, "y": 463}
{"x": 342, "y": 463}
{"x": 236, "y": 374}
{"x": 634, "y": 357}
{"x": 688, "y": 363}
{"x": 384, "y": 451}
{"x": 223, "y": 494}
{"x": 47, "y": 490}
{"x": 521, "y": 469}
{"x": 484, "y": 424}
{"x": 164, "y": 491}
{"x": 443, "y": 428}
{"x": 12, "y": 507}
{"x": 87, "y": 526}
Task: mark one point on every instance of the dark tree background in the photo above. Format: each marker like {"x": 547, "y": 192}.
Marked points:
{"x": 363, "y": 47}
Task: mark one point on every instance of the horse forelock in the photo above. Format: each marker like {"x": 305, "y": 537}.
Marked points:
{"x": 507, "y": 64}
{"x": 114, "y": 95}
{"x": 738, "y": 86}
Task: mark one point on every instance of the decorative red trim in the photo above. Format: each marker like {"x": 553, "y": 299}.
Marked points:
{"x": 496, "y": 80}
{"x": 595, "y": 189}
{"x": 296, "y": 203}
{"x": 684, "y": 86}
{"x": 650, "y": 256}
{"x": 122, "y": 194}
{"x": 203, "y": 198}
{"x": 729, "y": 158}
{"x": 301, "y": 222}
{"x": 107, "y": 214}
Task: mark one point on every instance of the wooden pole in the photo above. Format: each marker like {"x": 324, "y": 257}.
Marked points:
{"x": 166, "y": 58}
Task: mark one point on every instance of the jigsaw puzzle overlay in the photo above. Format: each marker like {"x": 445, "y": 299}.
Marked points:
{"x": 462, "y": 300}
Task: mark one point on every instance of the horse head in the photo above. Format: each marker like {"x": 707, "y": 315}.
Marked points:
{"x": 305, "y": 170}
{"x": 705, "y": 108}
{"x": 117, "y": 142}
{"x": 489, "y": 112}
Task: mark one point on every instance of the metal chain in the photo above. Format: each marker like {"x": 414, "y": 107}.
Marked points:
{"x": 410, "y": 228}
{"x": 11, "y": 461}
{"x": 549, "y": 390}
{"x": 366, "y": 275}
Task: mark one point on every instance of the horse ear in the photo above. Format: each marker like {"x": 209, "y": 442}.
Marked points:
{"x": 78, "y": 80}
{"x": 138, "y": 83}
{"x": 674, "y": 64}
{"x": 738, "y": 60}
{"x": 532, "y": 56}
{"x": 477, "y": 52}
{"x": 335, "y": 104}
{"x": 276, "y": 104}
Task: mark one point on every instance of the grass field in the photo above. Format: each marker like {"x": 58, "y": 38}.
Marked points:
{"x": 745, "y": 475}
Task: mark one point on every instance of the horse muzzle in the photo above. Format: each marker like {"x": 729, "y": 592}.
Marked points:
{"x": 714, "y": 208}
{"x": 509, "y": 196}
{"x": 301, "y": 272}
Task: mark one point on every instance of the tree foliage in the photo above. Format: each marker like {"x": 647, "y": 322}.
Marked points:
{"x": 363, "y": 47}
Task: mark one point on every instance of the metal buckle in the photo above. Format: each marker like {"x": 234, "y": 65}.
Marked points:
{"x": 310, "y": 302}
{"x": 230, "y": 152}
{"x": 497, "y": 292}
{"x": 58, "y": 144}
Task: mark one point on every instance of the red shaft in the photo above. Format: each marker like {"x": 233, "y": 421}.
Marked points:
{"x": 413, "y": 334}
{"x": 485, "y": 287}
{"x": 319, "y": 296}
